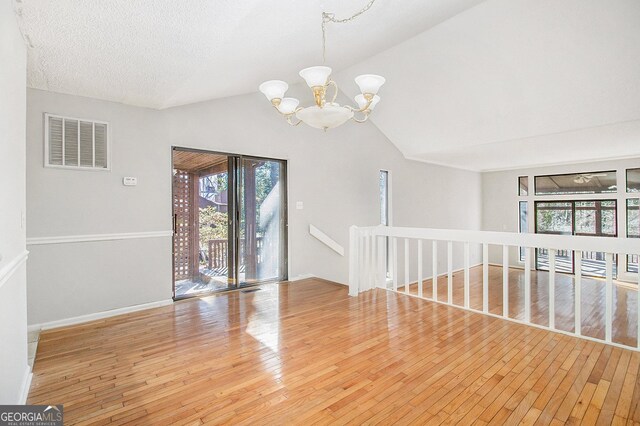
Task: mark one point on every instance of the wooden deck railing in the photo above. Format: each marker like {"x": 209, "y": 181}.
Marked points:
{"x": 368, "y": 265}
{"x": 218, "y": 249}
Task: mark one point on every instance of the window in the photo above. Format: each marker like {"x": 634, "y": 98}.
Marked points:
{"x": 577, "y": 183}
{"x": 633, "y": 180}
{"x": 384, "y": 197}
{"x": 633, "y": 230}
{"x": 522, "y": 224}
{"x": 383, "y": 186}
{"x": 75, "y": 143}
{"x": 595, "y": 218}
{"x": 523, "y": 186}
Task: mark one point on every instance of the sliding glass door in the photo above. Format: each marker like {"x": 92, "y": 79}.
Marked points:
{"x": 262, "y": 226}
{"x": 229, "y": 214}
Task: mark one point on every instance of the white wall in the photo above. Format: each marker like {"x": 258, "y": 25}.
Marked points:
{"x": 14, "y": 371}
{"x": 335, "y": 174}
{"x": 500, "y": 197}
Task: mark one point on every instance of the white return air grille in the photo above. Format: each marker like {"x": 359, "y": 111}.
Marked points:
{"x": 76, "y": 143}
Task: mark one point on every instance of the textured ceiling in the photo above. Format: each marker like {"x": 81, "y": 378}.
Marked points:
{"x": 162, "y": 53}
{"x": 515, "y": 83}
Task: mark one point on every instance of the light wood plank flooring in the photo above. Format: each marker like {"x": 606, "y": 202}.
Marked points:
{"x": 306, "y": 353}
{"x": 625, "y": 300}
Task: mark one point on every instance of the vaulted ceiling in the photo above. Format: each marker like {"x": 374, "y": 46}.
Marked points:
{"x": 515, "y": 83}
{"x": 474, "y": 84}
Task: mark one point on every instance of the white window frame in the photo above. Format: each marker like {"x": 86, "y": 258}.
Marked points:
{"x": 388, "y": 249}
{"x": 78, "y": 167}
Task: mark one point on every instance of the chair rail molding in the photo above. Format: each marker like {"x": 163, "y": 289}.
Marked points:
{"x": 326, "y": 240}
{"x": 10, "y": 268}
{"x": 97, "y": 237}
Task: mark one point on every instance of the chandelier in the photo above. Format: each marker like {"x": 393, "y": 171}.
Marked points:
{"x": 326, "y": 113}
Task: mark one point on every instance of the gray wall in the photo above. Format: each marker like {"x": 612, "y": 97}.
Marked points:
{"x": 13, "y": 306}
{"x": 335, "y": 174}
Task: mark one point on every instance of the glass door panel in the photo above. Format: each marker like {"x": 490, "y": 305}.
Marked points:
{"x": 554, "y": 218}
{"x": 633, "y": 230}
{"x": 200, "y": 222}
{"x": 262, "y": 224}
{"x": 595, "y": 219}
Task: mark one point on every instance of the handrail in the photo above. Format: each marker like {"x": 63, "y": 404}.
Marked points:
{"x": 369, "y": 248}
{"x": 326, "y": 240}
{"x": 558, "y": 242}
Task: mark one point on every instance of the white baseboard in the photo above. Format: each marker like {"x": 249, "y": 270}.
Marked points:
{"x": 26, "y": 385}
{"x": 510, "y": 266}
{"x": 98, "y": 315}
{"x": 301, "y": 277}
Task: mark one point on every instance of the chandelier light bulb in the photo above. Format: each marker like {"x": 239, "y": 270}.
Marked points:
{"x": 274, "y": 89}
{"x": 316, "y": 76}
{"x": 362, "y": 102}
{"x": 369, "y": 83}
{"x": 288, "y": 105}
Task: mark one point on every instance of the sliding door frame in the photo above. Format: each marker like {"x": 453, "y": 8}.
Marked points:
{"x": 233, "y": 252}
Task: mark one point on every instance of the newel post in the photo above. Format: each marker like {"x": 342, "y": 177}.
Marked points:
{"x": 354, "y": 272}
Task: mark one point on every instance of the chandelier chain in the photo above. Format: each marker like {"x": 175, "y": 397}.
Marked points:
{"x": 331, "y": 17}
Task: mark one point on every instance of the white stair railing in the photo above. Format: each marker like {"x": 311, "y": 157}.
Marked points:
{"x": 367, "y": 268}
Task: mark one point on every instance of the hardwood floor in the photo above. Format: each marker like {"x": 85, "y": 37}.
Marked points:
{"x": 625, "y": 300}
{"x": 306, "y": 353}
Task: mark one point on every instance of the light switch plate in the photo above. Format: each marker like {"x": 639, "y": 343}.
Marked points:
{"x": 299, "y": 205}
{"x": 129, "y": 181}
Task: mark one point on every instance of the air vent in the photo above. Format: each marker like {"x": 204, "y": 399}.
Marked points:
{"x": 76, "y": 143}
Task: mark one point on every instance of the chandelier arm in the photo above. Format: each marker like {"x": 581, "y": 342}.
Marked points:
{"x": 366, "y": 117}
{"x": 335, "y": 91}
{"x": 291, "y": 123}
{"x": 287, "y": 115}
{"x": 363, "y": 109}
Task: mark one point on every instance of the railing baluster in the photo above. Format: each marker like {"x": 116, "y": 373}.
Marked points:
{"x": 366, "y": 258}
{"x": 394, "y": 244}
{"x": 419, "y": 268}
{"x": 485, "y": 277}
{"x": 608, "y": 297}
{"x": 361, "y": 258}
{"x": 638, "y": 302}
{"x": 353, "y": 261}
{"x": 407, "y": 281}
{"x": 505, "y": 281}
{"x": 450, "y": 272}
{"x": 466, "y": 275}
{"x": 552, "y": 288}
{"x": 527, "y": 284}
{"x": 382, "y": 262}
{"x": 374, "y": 256}
{"x": 578, "y": 294}
{"x": 434, "y": 268}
